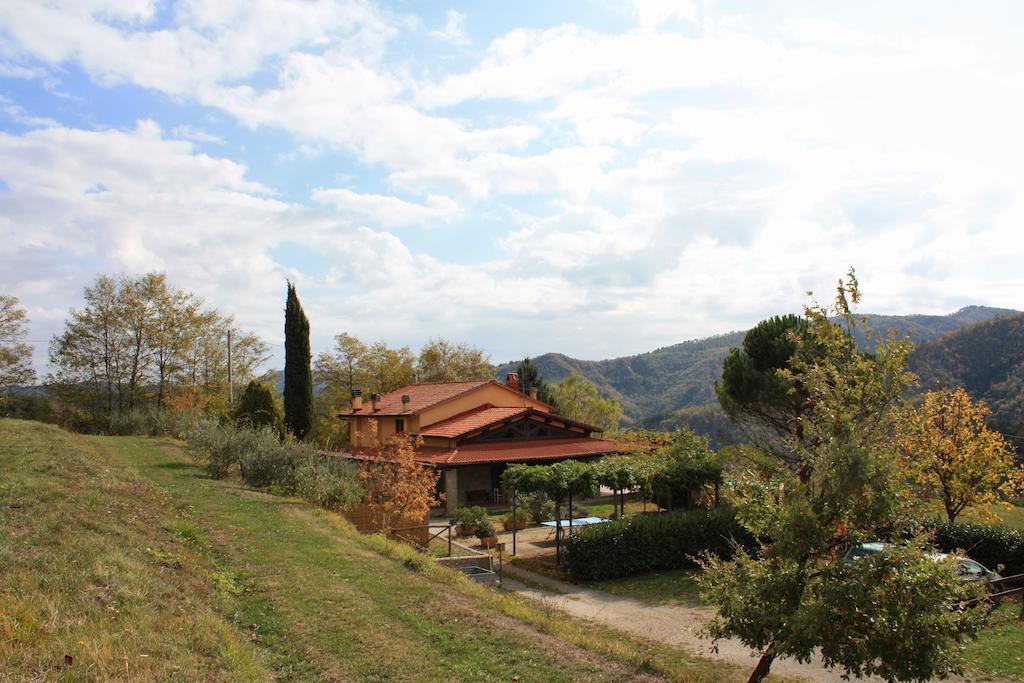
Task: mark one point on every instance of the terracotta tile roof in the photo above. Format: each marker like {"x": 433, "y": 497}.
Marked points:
{"x": 517, "y": 451}
{"x": 421, "y": 396}
{"x": 470, "y": 421}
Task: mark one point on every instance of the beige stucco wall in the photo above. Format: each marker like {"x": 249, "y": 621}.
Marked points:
{"x": 360, "y": 433}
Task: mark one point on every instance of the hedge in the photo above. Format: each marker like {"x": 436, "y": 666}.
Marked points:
{"x": 990, "y": 544}
{"x": 645, "y": 543}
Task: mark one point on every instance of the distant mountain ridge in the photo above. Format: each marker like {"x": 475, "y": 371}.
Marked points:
{"x": 985, "y": 358}
{"x": 675, "y": 384}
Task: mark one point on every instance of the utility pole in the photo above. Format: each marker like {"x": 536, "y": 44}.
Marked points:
{"x": 231, "y": 383}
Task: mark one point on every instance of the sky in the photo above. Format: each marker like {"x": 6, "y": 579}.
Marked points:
{"x": 594, "y": 178}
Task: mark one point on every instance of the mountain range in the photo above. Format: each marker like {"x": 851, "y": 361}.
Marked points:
{"x": 674, "y": 385}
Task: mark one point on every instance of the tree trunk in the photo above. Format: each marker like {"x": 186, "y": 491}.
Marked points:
{"x": 764, "y": 666}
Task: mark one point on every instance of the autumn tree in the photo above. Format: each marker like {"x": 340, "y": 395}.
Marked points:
{"x": 338, "y": 373}
{"x": 298, "y": 374}
{"x": 139, "y": 342}
{"x": 345, "y": 367}
{"x": 387, "y": 368}
{"x": 839, "y": 482}
{"x": 398, "y": 491}
{"x": 443, "y": 361}
{"x": 954, "y": 457}
{"x": 15, "y": 355}
{"x": 578, "y": 399}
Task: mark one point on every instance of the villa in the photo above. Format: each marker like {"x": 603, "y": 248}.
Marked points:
{"x": 472, "y": 431}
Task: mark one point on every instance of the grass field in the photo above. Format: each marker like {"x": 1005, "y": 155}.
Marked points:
{"x": 119, "y": 558}
{"x": 677, "y": 587}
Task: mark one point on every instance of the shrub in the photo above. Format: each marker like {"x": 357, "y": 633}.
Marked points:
{"x": 485, "y": 529}
{"x": 28, "y": 407}
{"x": 538, "y": 506}
{"x": 645, "y": 543}
{"x": 990, "y": 544}
{"x": 175, "y": 423}
{"x": 467, "y": 519}
{"x": 328, "y": 481}
{"x": 131, "y": 423}
{"x": 266, "y": 462}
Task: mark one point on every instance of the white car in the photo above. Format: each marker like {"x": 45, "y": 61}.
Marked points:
{"x": 967, "y": 569}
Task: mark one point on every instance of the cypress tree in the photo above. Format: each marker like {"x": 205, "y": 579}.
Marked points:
{"x": 298, "y": 376}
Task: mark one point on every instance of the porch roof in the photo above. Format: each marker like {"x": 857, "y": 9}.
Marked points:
{"x": 517, "y": 451}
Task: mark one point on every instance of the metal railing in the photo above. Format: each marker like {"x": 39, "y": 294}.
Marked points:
{"x": 999, "y": 591}
{"x": 394, "y": 532}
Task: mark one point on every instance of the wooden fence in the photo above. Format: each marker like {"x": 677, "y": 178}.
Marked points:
{"x": 366, "y": 520}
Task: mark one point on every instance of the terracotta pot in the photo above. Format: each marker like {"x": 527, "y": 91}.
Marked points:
{"x": 489, "y": 541}
{"x": 465, "y": 533}
{"x": 520, "y": 524}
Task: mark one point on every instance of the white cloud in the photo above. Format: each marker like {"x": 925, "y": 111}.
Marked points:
{"x": 687, "y": 174}
{"x": 452, "y": 31}
{"x": 17, "y": 113}
{"x": 387, "y": 211}
{"x": 196, "y": 135}
{"x": 651, "y": 13}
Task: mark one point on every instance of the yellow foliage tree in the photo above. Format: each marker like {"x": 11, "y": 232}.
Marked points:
{"x": 398, "y": 491}
{"x": 952, "y": 454}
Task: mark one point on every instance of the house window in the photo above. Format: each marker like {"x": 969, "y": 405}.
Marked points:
{"x": 399, "y": 426}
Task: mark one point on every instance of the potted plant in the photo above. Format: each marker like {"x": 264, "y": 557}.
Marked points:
{"x": 485, "y": 532}
{"x": 466, "y": 520}
{"x": 520, "y": 522}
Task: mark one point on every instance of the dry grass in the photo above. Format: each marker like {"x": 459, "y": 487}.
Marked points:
{"x": 96, "y": 579}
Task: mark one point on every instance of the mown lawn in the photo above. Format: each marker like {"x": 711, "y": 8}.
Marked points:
{"x": 999, "y": 651}
{"x": 120, "y": 558}
{"x": 677, "y": 587}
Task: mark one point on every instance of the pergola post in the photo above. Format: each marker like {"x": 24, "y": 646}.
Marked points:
{"x": 515, "y": 521}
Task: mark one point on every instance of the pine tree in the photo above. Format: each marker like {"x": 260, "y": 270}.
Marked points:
{"x": 298, "y": 375}
{"x": 530, "y": 377}
{"x": 257, "y": 408}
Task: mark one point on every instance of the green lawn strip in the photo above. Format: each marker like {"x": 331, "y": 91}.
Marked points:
{"x": 96, "y": 578}
{"x": 999, "y": 650}
{"x": 676, "y": 587}
{"x": 362, "y": 615}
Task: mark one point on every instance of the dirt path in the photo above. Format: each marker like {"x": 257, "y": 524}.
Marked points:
{"x": 674, "y": 625}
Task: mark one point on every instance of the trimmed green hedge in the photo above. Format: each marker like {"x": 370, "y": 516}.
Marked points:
{"x": 645, "y": 543}
{"x": 990, "y": 544}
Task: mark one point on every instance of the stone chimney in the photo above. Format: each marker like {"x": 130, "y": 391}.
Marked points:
{"x": 533, "y": 394}
{"x": 374, "y": 401}
{"x": 357, "y": 399}
{"x": 512, "y": 381}
{"x": 405, "y": 401}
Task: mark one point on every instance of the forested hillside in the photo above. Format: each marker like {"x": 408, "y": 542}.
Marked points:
{"x": 987, "y": 359}
{"x": 675, "y": 384}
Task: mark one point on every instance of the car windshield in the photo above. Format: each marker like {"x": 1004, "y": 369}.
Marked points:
{"x": 859, "y": 551}
{"x": 968, "y": 567}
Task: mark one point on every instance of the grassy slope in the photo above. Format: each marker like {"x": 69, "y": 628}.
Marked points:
{"x": 120, "y": 553}
{"x": 94, "y": 566}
